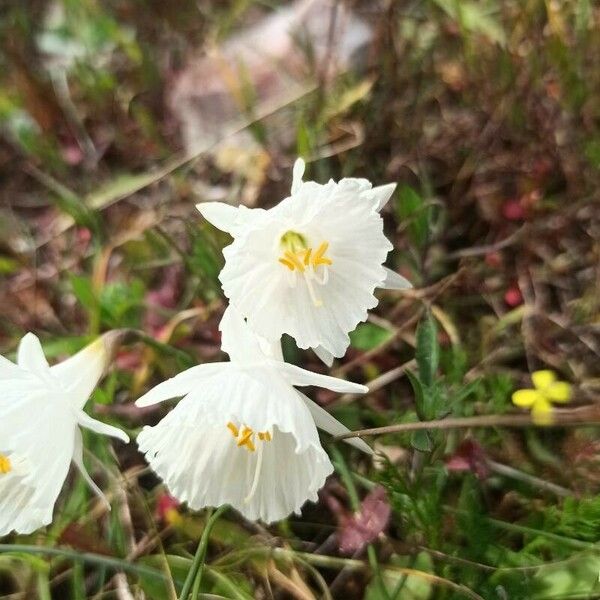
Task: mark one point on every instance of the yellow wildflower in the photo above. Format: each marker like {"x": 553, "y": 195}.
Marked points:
{"x": 547, "y": 390}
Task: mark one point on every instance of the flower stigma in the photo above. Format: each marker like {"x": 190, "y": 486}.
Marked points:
{"x": 5, "y": 464}
{"x": 299, "y": 257}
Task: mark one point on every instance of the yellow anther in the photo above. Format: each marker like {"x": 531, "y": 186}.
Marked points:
{"x": 287, "y": 263}
{"x": 293, "y": 258}
{"x": 319, "y": 258}
{"x": 244, "y": 436}
{"x": 5, "y": 464}
{"x": 307, "y": 256}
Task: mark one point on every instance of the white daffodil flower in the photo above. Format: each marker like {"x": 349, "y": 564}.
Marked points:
{"x": 309, "y": 266}
{"x": 41, "y": 410}
{"x": 242, "y": 435}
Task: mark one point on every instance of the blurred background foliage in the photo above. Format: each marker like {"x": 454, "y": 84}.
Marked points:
{"x": 116, "y": 117}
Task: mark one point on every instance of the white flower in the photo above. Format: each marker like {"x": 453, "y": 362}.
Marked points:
{"x": 242, "y": 435}
{"x": 41, "y": 410}
{"x": 309, "y": 266}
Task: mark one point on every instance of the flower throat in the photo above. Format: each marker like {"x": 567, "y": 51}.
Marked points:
{"x": 301, "y": 258}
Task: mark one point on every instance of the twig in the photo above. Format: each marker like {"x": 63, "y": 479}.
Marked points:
{"x": 587, "y": 415}
{"x": 532, "y": 480}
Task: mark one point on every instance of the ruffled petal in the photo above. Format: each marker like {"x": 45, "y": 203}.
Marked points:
{"x": 199, "y": 459}
{"x": 8, "y": 369}
{"x": 393, "y": 281}
{"x": 318, "y": 311}
{"x": 80, "y": 374}
{"x": 180, "y": 385}
{"x": 327, "y": 422}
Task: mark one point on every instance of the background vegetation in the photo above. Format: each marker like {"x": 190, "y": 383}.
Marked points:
{"x": 487, "y": 114}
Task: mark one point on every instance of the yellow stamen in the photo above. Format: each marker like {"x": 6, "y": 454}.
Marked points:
{"x": 293, "y": 258}
{"x": 245, "y": 437}
{"x": 319, "y": 258}
{"x": 287, "y": 263}
{"x": 5, "y": 464}
{"x": 307, "y": 257}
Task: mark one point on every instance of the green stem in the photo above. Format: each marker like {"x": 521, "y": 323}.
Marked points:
{"x": 87, "y": 557}
{"x": 196, "y": 568}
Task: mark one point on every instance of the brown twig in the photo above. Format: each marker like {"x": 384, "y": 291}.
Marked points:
{"x": 586, "y": 415}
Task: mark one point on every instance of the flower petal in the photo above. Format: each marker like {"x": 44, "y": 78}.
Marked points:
{"x": 241, "y": 343}
{"x": 30, "y": 355}
{"x": 393, "y": 281}
{"x": 277, "y": 301}
{"x": 180, "y": 385}
{"x": 78, "y": 460}
{"x": 526, "y": 398}
{"x": 222, "y": 216}
{"x": 541, "y": 412}
{"x": 80, "y": 374}
{"x": 301, "y": 377}
{"x": 542, "y": 379}
{"x": 324, "y": 355}
{"x": 297, "y": 174}
{"x": 330, "y": 424}
{"x": 102, "y": 428}
{"x": 559, "y": 391}
{"x": 201, "y": 463}
{"x": 8, "y": 369}
{"x": 379, "y": 196}
{"x": 42, "y": 434}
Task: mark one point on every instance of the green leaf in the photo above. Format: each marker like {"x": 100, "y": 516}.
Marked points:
{"x": 420, "y": 440}
{"x": 368, "y": 336}
{"x": 428, "y": 349}
{"x": 419, "y": 391}
{"x": 412, "y": 210}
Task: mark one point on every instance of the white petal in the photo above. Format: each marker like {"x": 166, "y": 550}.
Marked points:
{"x": 78, "y": 460}
{"x": 324, "y": 355}
{"x": 276, "y": 300}
{"x": 30, "y": 355}
{"x": 393, "y": 281}
{"x": 199, "y": 460}
{"x": 301, "y": 377}
{"x": 41, "y": 434}
{"x": 379, "y": 196}
{"x": 102, "y": 428}
{"x": 79, "y": 374}
{"x": 239, "y": 341}
{"x": 221, "y": 215}
{"x": 297, "y": 174}
{"x": 180, "y": 385}
{"x": 9, "y": 369}
{"x": 330, "y": 424}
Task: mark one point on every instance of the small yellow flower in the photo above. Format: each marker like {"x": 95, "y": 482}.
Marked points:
{"x": 547, "y": 391}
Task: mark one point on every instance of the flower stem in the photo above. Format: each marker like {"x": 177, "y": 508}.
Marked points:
{"x": 195, "y": 571}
